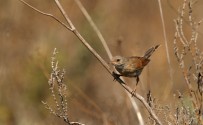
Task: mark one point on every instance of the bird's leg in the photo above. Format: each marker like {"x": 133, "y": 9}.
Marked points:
{"x": 137, "y": 80}
{"x": 134, "y": 90}
{"x": 116, "y": 76}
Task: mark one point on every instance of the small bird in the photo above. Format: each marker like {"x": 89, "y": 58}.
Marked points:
{"x": 132, "y": 66}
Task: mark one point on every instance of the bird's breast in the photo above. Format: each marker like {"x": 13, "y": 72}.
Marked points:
{"x": 128, "y": 72}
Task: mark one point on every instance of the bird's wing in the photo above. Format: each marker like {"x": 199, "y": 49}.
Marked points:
{"x": 144, "y": 61}
{"x": 134, "y": 63}
{"x": 150, "y": 51}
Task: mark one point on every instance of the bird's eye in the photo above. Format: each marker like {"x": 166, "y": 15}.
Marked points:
{"x": 117, "y": 60}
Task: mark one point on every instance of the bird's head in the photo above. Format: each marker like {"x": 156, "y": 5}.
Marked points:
{"x": 117, "y": 61}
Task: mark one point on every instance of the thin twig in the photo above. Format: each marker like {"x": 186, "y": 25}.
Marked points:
{"x": 166, "y": 45}
{"x": 46, "y": 14}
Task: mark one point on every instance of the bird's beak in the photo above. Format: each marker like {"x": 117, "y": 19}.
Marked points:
{"x": 112, "y": 62}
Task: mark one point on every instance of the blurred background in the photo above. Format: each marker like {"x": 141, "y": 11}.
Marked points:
{"x": 130, "y": 27}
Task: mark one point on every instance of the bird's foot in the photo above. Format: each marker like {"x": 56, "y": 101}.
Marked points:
{"x": 137, "y": 80}
{"x": 116, "y": 76}
{"x": 133, "y": 92}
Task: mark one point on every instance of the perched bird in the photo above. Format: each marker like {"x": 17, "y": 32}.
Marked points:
{"x": 132, "y": 66}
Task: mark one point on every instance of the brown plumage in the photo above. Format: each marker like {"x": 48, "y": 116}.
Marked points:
{"x": 132, "y": 66}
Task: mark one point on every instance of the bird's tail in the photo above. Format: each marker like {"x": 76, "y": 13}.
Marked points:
{"x": 150, "y": 51}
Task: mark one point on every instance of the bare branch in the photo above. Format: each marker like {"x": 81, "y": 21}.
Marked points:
{"x": 46, "y": 14}
{"x": 58, "y": 91}
{"x": 189, "y": 46}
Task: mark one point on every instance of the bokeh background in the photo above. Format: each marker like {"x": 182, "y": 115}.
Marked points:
{"x": 130, "y": 27}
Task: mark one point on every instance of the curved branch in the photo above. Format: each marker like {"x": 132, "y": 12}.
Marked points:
{"x": 46, "y": 14}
